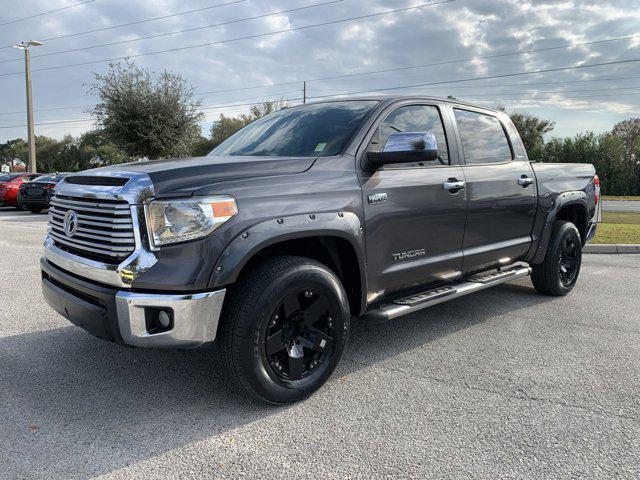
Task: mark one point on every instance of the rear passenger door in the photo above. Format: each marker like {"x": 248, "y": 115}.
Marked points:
{"x": 501, "y": 191}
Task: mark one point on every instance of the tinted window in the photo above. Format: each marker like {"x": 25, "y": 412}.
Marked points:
{"x": 516, "y": 141}
{"x": 483, "y": 138}
{"x": 415, "y": 118}
{"x": 318, "y": 130}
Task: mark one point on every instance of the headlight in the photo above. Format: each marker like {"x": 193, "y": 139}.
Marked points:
{"x": 173, "y": 221}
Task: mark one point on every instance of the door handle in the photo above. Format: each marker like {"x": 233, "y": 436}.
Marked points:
{"x": 525, "y": 181}
{"x": 453, "y": 185}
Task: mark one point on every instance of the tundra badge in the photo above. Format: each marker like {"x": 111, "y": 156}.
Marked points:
{"x": 409, "y": 254}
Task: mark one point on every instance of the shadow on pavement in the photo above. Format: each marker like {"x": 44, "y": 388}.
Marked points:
{"x": 70, "y": 399}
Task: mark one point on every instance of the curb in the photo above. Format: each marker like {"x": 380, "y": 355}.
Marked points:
{"x": 612, "y": 249}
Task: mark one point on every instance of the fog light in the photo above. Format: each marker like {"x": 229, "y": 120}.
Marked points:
{"x": 158, "y": 320}
{"x": 164, "y": 319}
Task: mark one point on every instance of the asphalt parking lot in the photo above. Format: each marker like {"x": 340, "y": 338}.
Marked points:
{"x": 621, "y": 205}
{"x": 501, "y": 384}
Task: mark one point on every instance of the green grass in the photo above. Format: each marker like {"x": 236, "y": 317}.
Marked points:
{"x": 618, "y": 227}
{"x": 621, "y": 197}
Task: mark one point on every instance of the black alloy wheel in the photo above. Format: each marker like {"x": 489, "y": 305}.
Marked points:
{"x": 558, "y": 273}
{"x": 283, "y": 329}
{"x": 568, "y": 261}
{"x": 300, "y": 335}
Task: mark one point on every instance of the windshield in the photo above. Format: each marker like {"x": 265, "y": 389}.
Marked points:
{"x": 318, "y": 130}
{"x": 8, "y": 177}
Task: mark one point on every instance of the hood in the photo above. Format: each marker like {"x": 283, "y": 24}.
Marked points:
{"x": 183, "y": 176}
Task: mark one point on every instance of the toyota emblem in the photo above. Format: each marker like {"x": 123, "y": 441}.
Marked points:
{"x": 70, "y": 223}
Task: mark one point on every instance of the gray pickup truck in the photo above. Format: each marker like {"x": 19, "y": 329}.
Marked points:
{"x": 372, "y": 207}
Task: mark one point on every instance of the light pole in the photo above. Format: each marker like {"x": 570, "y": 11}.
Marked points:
{"x": 27, "y": 73}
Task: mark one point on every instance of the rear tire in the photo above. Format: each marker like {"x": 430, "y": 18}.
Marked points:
{"x": 284, "y": 328}
{"x": 558, "y": 273}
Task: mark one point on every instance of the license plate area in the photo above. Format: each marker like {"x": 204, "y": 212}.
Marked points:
{"x": 34, "y": 192}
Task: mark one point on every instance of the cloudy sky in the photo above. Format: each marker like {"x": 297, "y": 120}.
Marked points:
{"x": 464, "y": 48}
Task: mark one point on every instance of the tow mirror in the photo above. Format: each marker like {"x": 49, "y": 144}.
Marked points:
{"x": 406, "y": 147}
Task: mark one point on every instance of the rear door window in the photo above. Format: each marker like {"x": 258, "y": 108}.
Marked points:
{"x": 483, "y": 138}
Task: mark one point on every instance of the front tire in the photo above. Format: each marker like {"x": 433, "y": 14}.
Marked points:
{"x": 284, "y": 328}
{"x": 558, "y": 273}
{"x": 35, "y": 209}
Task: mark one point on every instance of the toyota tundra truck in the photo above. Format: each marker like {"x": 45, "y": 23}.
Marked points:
{"x": 370, "y": 207}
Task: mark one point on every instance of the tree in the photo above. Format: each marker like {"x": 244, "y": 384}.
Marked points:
{"x": 70, "y": 154}
{"x": 96, "y": 150}
{"x": 12, "y": 149}
{"x": 628, "y": 132}
{"x": 202, "y": 147}
{"x": 607, "y": 154}
{"x": 46, "y": 159}
{"x": 227, "y": 126}
{"x": 146, "y": 117}
{"x": 532, "y": 130}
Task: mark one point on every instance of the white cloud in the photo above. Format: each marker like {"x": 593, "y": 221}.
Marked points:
{"x": 457, "y": 30}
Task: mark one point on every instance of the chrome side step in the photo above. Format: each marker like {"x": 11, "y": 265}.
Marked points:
{"x": 429, "y": 295}
{"x": 413, "y": 303}
{"x": 493, "y": 277}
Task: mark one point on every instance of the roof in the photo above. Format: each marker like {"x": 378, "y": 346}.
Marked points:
{"x": 396, "y": 98}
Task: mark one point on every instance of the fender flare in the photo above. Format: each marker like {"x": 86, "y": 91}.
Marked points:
{"x": 241, "y": 249}
{"x": 550, "y": 208}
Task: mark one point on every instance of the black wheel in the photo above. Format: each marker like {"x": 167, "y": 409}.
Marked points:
{"x": 35, "y": 209}
{"x": 284, "y": 328}
{"x": 559, "y": 271}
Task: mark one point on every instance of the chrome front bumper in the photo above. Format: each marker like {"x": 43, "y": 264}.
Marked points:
{"x": 132, "y": 318}
{"x": 195, "y": 318}
{"x": 97, "y": 296}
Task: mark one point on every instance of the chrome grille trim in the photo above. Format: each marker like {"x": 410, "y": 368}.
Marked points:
{"x": 69, "y": 201}
{"x": 97, "y": 237}
{"x": 124, "y": 219}
{"x": 81, "y": 245}
{"x": 91, "y": 207}
{"x": 101, "y": 221}
{"x": 90, "y": 233}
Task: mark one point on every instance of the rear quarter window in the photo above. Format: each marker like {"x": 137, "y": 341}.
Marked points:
{"x": 516, "y": 141}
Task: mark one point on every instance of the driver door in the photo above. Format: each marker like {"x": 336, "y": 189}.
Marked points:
{"x": 414, "y": 227}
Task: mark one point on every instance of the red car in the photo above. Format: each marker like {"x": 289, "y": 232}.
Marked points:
{"x": 9, "y": 185}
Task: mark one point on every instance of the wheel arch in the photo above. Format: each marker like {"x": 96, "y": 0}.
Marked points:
{"x": 334, "y": 240}
{"x": 575, "y": 213}
{"x": 569, "y": 206}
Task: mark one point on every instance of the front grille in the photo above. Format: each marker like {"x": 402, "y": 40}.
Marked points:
{"x": 104, "y": 229}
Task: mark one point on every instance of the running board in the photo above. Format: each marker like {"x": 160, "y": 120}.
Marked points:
{"x": 413, "y": 303}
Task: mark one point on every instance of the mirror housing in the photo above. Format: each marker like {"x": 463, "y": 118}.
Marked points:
{"x": 406, "y": 147}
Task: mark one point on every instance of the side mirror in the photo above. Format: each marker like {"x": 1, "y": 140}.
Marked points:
{"x": 406, "y": 147}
